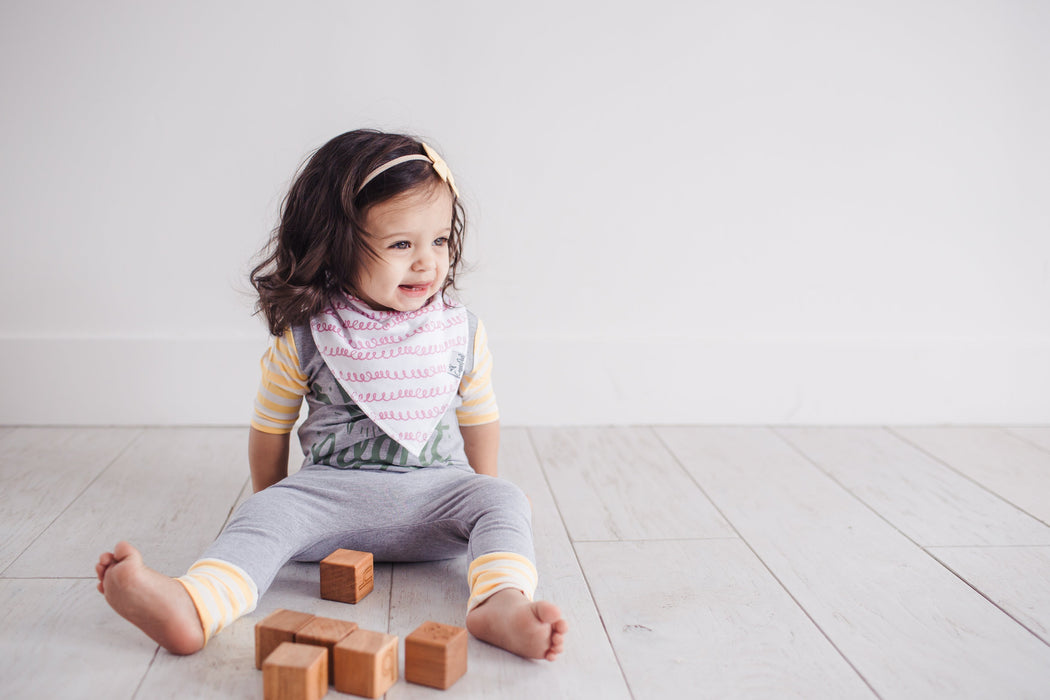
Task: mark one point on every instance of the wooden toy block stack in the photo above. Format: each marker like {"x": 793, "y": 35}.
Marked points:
{"x": 346, "y": 575}
{"x": 436, "y": 655}
{"x": 278, "y": 627}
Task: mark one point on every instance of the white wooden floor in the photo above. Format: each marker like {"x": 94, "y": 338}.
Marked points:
{"x": 690, "y": 562}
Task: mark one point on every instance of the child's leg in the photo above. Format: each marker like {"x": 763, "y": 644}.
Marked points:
{"x": 433, "y": 514}
{"x": 494, "y": 519}
{"x": 430, "y": 514}
{"x": 270, "y": 527}
{"x": 502, "y": 575}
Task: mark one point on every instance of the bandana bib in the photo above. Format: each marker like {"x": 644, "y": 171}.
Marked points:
{"x": 402, "y": 368}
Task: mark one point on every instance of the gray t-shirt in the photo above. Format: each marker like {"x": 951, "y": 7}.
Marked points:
{"x": 337, "y": 433}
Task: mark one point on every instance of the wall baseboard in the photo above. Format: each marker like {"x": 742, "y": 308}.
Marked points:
{"x": 557, "y": 381}
{"x": 129, "y": 381}
{"x": 775, "y": 381}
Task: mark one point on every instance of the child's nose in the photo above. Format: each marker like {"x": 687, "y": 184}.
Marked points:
{"x": 424, "y": 259}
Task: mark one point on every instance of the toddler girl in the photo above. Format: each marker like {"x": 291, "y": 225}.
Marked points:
{"x": 402, "y": 435}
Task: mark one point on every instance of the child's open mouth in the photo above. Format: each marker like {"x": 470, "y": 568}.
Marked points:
{"x": 415, "y": 288}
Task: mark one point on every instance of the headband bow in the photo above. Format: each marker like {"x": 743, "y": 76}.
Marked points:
{"x": 441, "y": 168}
{"x": 439, "y": 165}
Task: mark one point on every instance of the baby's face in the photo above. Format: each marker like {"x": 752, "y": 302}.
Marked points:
{"x": 410, "y": 237}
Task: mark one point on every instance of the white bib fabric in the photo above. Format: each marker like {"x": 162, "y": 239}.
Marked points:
{"x": 402, "y": 368}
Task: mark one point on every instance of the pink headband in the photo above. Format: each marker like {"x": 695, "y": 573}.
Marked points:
{"x": 432, "y": 157}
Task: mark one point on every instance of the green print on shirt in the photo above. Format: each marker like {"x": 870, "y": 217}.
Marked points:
{"x": 318, "y": 451}
{"x": 381, "y": 451}
{"x": 435, "y": 439}
{"x": 318, "y": 391}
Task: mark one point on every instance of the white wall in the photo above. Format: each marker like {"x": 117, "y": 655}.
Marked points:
{"x": 830, "y": 212}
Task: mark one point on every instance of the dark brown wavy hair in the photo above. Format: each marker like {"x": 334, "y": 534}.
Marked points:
{"x": 311, "y": 253}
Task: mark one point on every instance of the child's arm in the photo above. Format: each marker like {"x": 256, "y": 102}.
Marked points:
{"x": 481, "y": 443}
{"x": 267, "y": 458}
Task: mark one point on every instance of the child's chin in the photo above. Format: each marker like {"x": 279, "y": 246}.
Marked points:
{"x": 406, "y": 306}
{"x": 413, "y": 303}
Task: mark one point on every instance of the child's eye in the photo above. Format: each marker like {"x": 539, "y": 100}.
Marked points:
{"x": 441, "y": 241}
{"x": 401, "y": 245}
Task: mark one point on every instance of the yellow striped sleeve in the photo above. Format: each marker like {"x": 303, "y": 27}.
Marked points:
{"x": 281, "y": 389}
{"x": 479, "y": 400}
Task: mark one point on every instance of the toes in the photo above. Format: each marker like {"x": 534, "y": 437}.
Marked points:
{"x": 123, "y": 550}
{"x": 547, "y": 613}
{"x": 105, "y": 561}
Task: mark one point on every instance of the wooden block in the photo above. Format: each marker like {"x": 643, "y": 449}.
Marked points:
{"x": 295, "y": 672}
{"x": 346, "y": 575}
{"x": 366, "y": 663}
{"x": 279, "y": 626}
{"x": 325, "y": 632}
{"x": 436, "y": 655}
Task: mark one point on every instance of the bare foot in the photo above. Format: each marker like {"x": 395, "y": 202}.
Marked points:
{"x": 510, "y": 621}
{"x": 156, "y": 604}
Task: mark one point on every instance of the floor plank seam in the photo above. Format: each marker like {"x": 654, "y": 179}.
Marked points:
{"x": 848, "y": 491}
{"x": 872, "y": 508}
{"x": 579, "y": 564}
{"x": 990, "y": 601}
{"x": 776, "y": 578}
{"x": 135, "y": 438}
{"x": 390, "y": 598}
{"x": 656, "y": 539}
{"x": 964, "y": 475}
{"x": 48, "y": 578}
{"x": 986, "y": 546}
{"x": 605, "y": 627}
{"x": 149, "y": 667}
{"x": 236, "y": 500}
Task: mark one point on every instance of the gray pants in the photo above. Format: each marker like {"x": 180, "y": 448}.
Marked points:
{"x": 431, "y": 513}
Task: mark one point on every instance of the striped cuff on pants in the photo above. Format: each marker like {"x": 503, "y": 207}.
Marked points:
{"x": 221, "y": 592}
{"x": 498, "y": 571}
